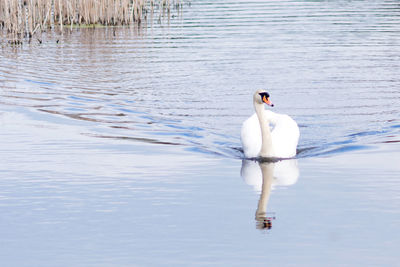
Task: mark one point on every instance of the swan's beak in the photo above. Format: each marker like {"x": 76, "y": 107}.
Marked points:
{"x": 267, "y": 101}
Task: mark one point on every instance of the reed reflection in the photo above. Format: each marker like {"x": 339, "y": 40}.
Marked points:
{"x": 263, "y": 176}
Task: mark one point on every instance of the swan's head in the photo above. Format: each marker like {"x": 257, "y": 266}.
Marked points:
{"x": 261, "y": 96}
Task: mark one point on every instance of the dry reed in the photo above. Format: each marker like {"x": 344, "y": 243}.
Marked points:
{"x": 21, "y": 19}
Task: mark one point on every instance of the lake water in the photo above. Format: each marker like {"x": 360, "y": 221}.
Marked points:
{"x": 121, "y": 147}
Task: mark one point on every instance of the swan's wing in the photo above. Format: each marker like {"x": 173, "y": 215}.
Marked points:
{"x": 285, "y": 136}
{"x": 251, "y": 137}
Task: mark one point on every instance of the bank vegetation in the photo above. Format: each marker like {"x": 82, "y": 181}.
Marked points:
{"x": 21, "y": 19}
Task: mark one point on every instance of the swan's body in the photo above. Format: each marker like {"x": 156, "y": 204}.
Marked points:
{"x": 257, "y": 138}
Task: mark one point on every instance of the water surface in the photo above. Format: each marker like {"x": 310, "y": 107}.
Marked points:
{"x": 121, "y": 146}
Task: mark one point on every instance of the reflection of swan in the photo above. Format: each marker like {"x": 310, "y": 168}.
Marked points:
{"x": 286, "y": 172}
{"x": 263, "y": 222}
{"x": 259, "y": 140}
{"x": 263, "y": 176}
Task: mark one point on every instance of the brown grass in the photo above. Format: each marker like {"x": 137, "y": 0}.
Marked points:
{"x": 21, "y": 19}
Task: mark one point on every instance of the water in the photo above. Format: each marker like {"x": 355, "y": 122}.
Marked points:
{"x": 121, "y": 147}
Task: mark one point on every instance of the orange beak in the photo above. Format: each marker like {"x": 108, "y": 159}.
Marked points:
{"x": 267, "y": 101}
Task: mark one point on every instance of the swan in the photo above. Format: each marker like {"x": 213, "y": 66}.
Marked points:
{"x": 257, "y": 138}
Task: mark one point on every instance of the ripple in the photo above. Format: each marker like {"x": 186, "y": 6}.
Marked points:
{"x": 330, "y": 65}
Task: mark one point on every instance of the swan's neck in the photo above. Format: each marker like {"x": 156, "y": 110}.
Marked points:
{"x": 266, "y": 146}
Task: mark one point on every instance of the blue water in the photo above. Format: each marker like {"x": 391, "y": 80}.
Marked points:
{"x": 124, "y": 150}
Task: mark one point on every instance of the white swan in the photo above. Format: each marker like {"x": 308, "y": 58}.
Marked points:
{"x": 257, "y": 138}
